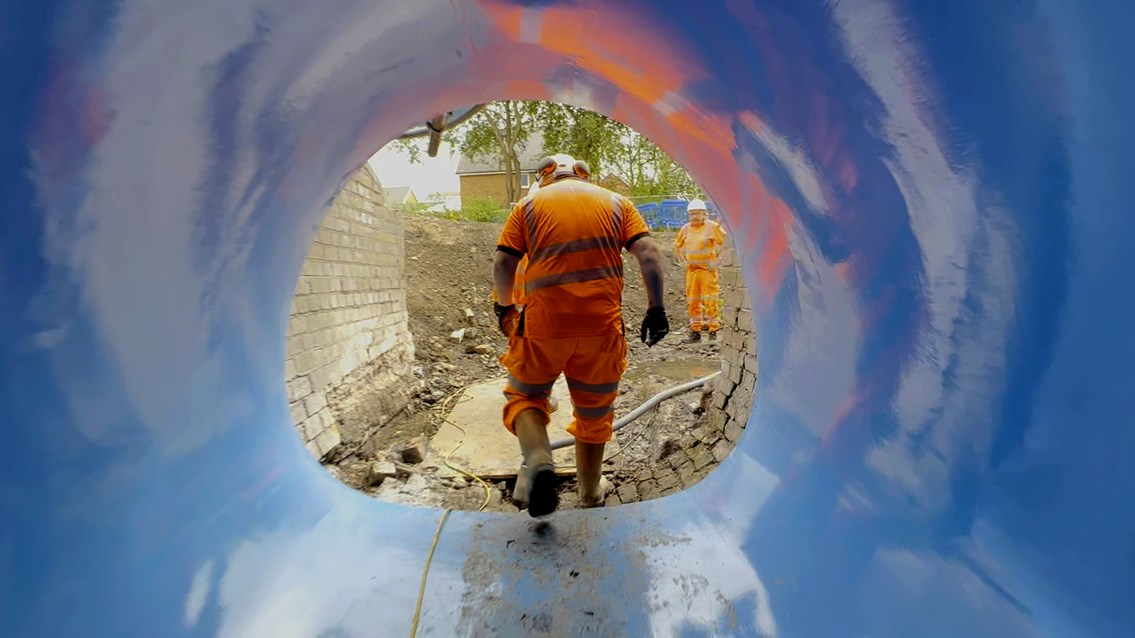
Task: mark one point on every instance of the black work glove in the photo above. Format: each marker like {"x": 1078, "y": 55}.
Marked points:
{"x": 655, "y": 326}
{"x": 506, "y": 318}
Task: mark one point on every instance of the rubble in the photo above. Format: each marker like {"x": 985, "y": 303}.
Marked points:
{"x": 379, "y": 471}
{"x": 411, "y": 454}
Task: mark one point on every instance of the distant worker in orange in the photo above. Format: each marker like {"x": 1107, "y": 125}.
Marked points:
{"x": 573, "y": 233}
{"x": 699, "y": 246}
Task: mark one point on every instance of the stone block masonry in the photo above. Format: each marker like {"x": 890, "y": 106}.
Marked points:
{"x": 733, "y": 390}
{"x": 699, "y": 452}
{"x": 349, "y": 349}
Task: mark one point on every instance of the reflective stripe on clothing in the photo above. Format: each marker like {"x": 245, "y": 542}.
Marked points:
{"x": 594, "y": 413}
{"x": 573, "y": 233}
{"x": 597, "y": 388}
{"x": 593, "y": 367}
{"x": 530, "y": 220}
{"x": 531, "y": 389}
{"x": 574, "y": 246}
{"x": 573, "y": 277}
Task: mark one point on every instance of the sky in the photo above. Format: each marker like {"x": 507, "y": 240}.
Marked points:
{"x": 431, "y": 175}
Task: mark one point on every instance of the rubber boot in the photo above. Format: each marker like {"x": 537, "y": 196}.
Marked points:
{"x": 536, "y": 482}
{"x": 588, "y": 472}
{"x": 693, "y": 337}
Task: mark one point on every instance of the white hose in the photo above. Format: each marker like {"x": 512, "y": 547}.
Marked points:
{"x": 645, "y": 407}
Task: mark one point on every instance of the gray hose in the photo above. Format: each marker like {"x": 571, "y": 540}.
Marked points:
{"x": 645, "y": 407}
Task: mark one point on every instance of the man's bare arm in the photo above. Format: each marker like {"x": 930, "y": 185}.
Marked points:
{"x": 504, "y": 276}
{"x": 649, "y": 259}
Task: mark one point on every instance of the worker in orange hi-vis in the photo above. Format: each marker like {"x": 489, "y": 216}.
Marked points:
{"x": 518, "y": 293}
{"x": 699, "y": 246}
{"x": 573, "y": 233}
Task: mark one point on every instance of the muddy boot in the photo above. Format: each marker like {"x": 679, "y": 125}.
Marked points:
{"x": 536, "y": 481}
{"x": 536, "y": 489}
{"x": 693, "y": 337}
{"x": 597, "y": 499}
{"x": 590, "y": 482}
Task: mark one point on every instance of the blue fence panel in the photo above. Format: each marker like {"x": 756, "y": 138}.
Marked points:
{"x": 671, "y": 213}
{"x": 649, "y": 213}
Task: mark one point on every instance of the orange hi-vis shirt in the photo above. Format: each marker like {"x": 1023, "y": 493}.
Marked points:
{"x": 573, "y": 234}
{"x": 700, "y": 245}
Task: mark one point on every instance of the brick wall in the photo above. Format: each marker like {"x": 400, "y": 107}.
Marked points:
{"x": 733, "y": 390}
{"x": 491, "y": 186}
{"x": 349, "y": 350}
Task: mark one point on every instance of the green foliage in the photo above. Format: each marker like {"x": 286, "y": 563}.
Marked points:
{"x": 501, "y": 129}
{"x": 585, "y": 135}
{"x": 412, "y": 209}
{"x": 414, "y": 148}
{"x": 610, "y": 146}
{"x": 480, "y": 209}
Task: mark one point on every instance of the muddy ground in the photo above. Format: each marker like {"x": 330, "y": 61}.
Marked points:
{"x": 448, "y": 270}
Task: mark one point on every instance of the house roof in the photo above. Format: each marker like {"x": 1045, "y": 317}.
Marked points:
{"x": 530, "y": 155}
{"x": 396, "y": 194}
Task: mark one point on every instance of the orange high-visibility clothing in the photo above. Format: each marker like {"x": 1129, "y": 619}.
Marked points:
{"x": 573, "y": 233}
{"x": 593, "y": 367}
{"x": 701, "y": 246}
{"x": 702, "y": 302}
{"x": 518, "y": 284}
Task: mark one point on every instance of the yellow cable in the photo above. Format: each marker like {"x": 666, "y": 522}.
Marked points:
{"x": 446, "y": 407}
{"x": 441, "y": 522}
{"x": 426, "y": 574}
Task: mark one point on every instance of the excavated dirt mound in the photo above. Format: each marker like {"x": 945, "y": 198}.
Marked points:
{"x": 449, "y": 301}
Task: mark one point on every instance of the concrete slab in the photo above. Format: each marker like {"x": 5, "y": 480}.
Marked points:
{"x": 489, "y": 451}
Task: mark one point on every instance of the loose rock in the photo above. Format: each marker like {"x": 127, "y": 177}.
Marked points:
{"x": 379, "y": 471}
{"x": 411, "y": 454}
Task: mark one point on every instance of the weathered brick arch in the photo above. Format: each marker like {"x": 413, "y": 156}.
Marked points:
{"x": 348, "y": 327}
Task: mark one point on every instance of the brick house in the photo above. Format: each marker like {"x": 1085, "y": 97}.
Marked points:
{"x": 614, "y": 182}
{"x": 484, "y": 176}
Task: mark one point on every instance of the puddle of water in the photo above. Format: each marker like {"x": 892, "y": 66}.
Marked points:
{"x": 676, "y": 369}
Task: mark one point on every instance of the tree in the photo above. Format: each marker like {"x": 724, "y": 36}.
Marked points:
{"x": 501, "y": 130}
{"x": 610, "y": 146}
{"x": 585, "y": 135}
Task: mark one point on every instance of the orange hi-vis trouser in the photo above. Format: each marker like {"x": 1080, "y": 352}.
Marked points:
{"x": 593, "y": 367}
{"x": 702, "y": 292}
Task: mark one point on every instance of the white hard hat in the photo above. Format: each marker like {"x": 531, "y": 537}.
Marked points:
{"x": 535, "y": 186}
{"x": 695, "y": 204}
{"x": 560, "y": 165}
